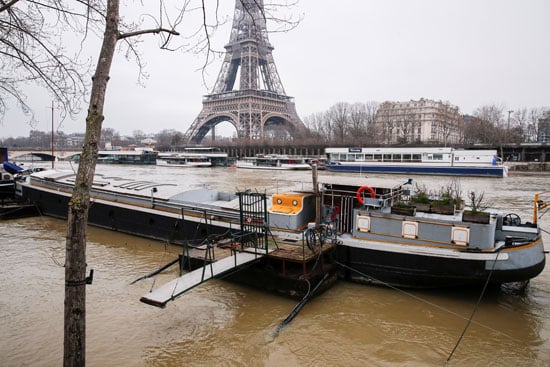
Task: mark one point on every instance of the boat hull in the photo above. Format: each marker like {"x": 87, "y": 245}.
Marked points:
{"x": 496, "y": 171}
{"x": 135, "y": 220}
{"x": 408, "y": 270}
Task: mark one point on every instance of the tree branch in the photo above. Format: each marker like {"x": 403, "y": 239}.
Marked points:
{"x": 8, "y": 5}
{"x": 139, "y": 33}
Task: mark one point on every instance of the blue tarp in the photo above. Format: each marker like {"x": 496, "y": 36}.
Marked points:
{"x": 12, "y": 168}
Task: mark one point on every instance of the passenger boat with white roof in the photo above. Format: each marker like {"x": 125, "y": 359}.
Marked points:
{"x": 274, "y": 162}
{"x": 183, "y": 160}
{"x": 427, "y": 161}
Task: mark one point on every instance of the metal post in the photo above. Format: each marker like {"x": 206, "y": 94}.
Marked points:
{"x": 53, "y": 157}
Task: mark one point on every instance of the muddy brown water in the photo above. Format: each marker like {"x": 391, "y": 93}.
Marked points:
{"x": 224, "y": 324}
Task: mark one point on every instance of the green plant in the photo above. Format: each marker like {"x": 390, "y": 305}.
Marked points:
{"x": 421, "y": 195}
{"x": 451, "y": 193}
{"x": 477, "y": 202}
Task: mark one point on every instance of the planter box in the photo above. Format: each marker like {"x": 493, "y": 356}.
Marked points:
{"x": 478, "y": 217}
{"x": 410, "y": 211}
{"x": 421, "y": 207}
{"x": 443, "y": 209}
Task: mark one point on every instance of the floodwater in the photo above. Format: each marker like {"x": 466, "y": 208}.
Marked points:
{"x": 224, "y": 324}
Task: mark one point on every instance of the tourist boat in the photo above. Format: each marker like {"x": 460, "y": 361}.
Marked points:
{"x": 136, "y": 156}
{"x": 125, "y": 156}
{"x": 273, "y": 162}
{"x": 216, "y": 156}
{"x": 183, "y": 160}
{"x": 431, "y": 161}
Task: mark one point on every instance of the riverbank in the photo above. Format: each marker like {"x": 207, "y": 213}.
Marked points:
{"x": 528, "y": 168}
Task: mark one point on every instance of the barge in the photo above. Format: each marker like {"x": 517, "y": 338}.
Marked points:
{"x": 355, "y": 229}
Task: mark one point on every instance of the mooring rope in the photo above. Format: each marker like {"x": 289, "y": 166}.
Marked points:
{"x": 425, "y": 301}
{"x": 473, "y": 311}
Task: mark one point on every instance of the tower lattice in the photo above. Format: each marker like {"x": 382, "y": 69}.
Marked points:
{"x": 259, "y": 101}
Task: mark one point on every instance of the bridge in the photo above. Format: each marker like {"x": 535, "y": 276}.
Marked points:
{"x": 40, "y": 154}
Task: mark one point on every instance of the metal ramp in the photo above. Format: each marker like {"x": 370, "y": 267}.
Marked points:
{"x": 170, "y": 291}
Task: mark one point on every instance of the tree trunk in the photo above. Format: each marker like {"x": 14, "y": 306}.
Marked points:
{"x": 74, "y": 347}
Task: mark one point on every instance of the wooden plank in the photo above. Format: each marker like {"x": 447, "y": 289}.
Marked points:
{"x": 168, "y": 292}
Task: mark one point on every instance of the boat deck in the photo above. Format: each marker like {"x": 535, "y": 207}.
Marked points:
{"x": 296, "y": 253}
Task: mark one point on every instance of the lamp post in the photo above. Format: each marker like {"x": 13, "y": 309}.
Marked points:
{"x": 508, "y": 127}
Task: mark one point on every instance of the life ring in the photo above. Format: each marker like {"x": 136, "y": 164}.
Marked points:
{"x": 360, "y": 191}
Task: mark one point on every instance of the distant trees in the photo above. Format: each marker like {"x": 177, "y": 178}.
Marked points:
{"x": 495, "y": 125}
{"x": 344, "y": 123}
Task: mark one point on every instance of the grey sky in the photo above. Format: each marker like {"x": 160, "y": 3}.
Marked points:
{"x": 467, "y": 52}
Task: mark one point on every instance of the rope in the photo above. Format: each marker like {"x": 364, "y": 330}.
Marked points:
{"x": 425, "y": 301}
{"x": 473, "y": 311}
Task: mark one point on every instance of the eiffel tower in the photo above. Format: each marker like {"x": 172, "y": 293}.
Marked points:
{"x": 260, "y": 101}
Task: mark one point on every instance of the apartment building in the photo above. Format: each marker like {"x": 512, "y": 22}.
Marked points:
{"x": 423, "y": 121}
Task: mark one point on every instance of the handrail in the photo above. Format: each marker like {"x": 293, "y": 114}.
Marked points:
{"x": 539, "y": 204}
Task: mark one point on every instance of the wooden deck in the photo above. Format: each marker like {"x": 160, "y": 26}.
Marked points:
{"x": 297, "y": 253}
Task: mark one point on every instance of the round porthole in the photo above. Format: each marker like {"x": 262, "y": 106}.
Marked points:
{"x": 294, "y": 202}
{"x": 279, "y": 201}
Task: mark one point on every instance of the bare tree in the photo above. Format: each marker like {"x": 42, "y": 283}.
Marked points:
{"x": 29, "y": 44}
{"x": 75, "y": 261}
{"x": 27, "y": 47}
{"x": 339, "y": 116}
{"x": 358, "y": 118}
{"x": 493, "y": 118}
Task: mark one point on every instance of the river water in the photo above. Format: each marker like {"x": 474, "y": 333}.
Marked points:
{"x": 224, "y": 324}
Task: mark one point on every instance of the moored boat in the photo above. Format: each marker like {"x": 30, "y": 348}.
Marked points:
{"x": 183, "y": 160}
{"x": 138, "y": 156}
{"x": 126, "y": 156}
{"x": 430, "y": 161}
{"x": 373, "y": 230}
{"x": 214, "y": 154}
{"x": 215, "y": 224}
{"x": 7, "y": 185}
{"x": 380, "y": 242}
{"x": 273, "y": 162}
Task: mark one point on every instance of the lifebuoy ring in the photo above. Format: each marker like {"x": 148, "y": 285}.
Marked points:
{"x": 360, "y": 191}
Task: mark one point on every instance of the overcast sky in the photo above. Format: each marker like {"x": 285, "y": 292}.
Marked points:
{"x": 468, "y": 52}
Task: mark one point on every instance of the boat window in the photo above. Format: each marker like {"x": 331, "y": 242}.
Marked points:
{"x": 387, "y": 157}
{"x": 438, "y": 157}
{"x": 417, "y": 157}
{"x": 378, "y": 157}
{"x": 407, "y": 157}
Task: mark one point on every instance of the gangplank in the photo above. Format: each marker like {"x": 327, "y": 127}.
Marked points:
{"x": 170, "y": 291}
